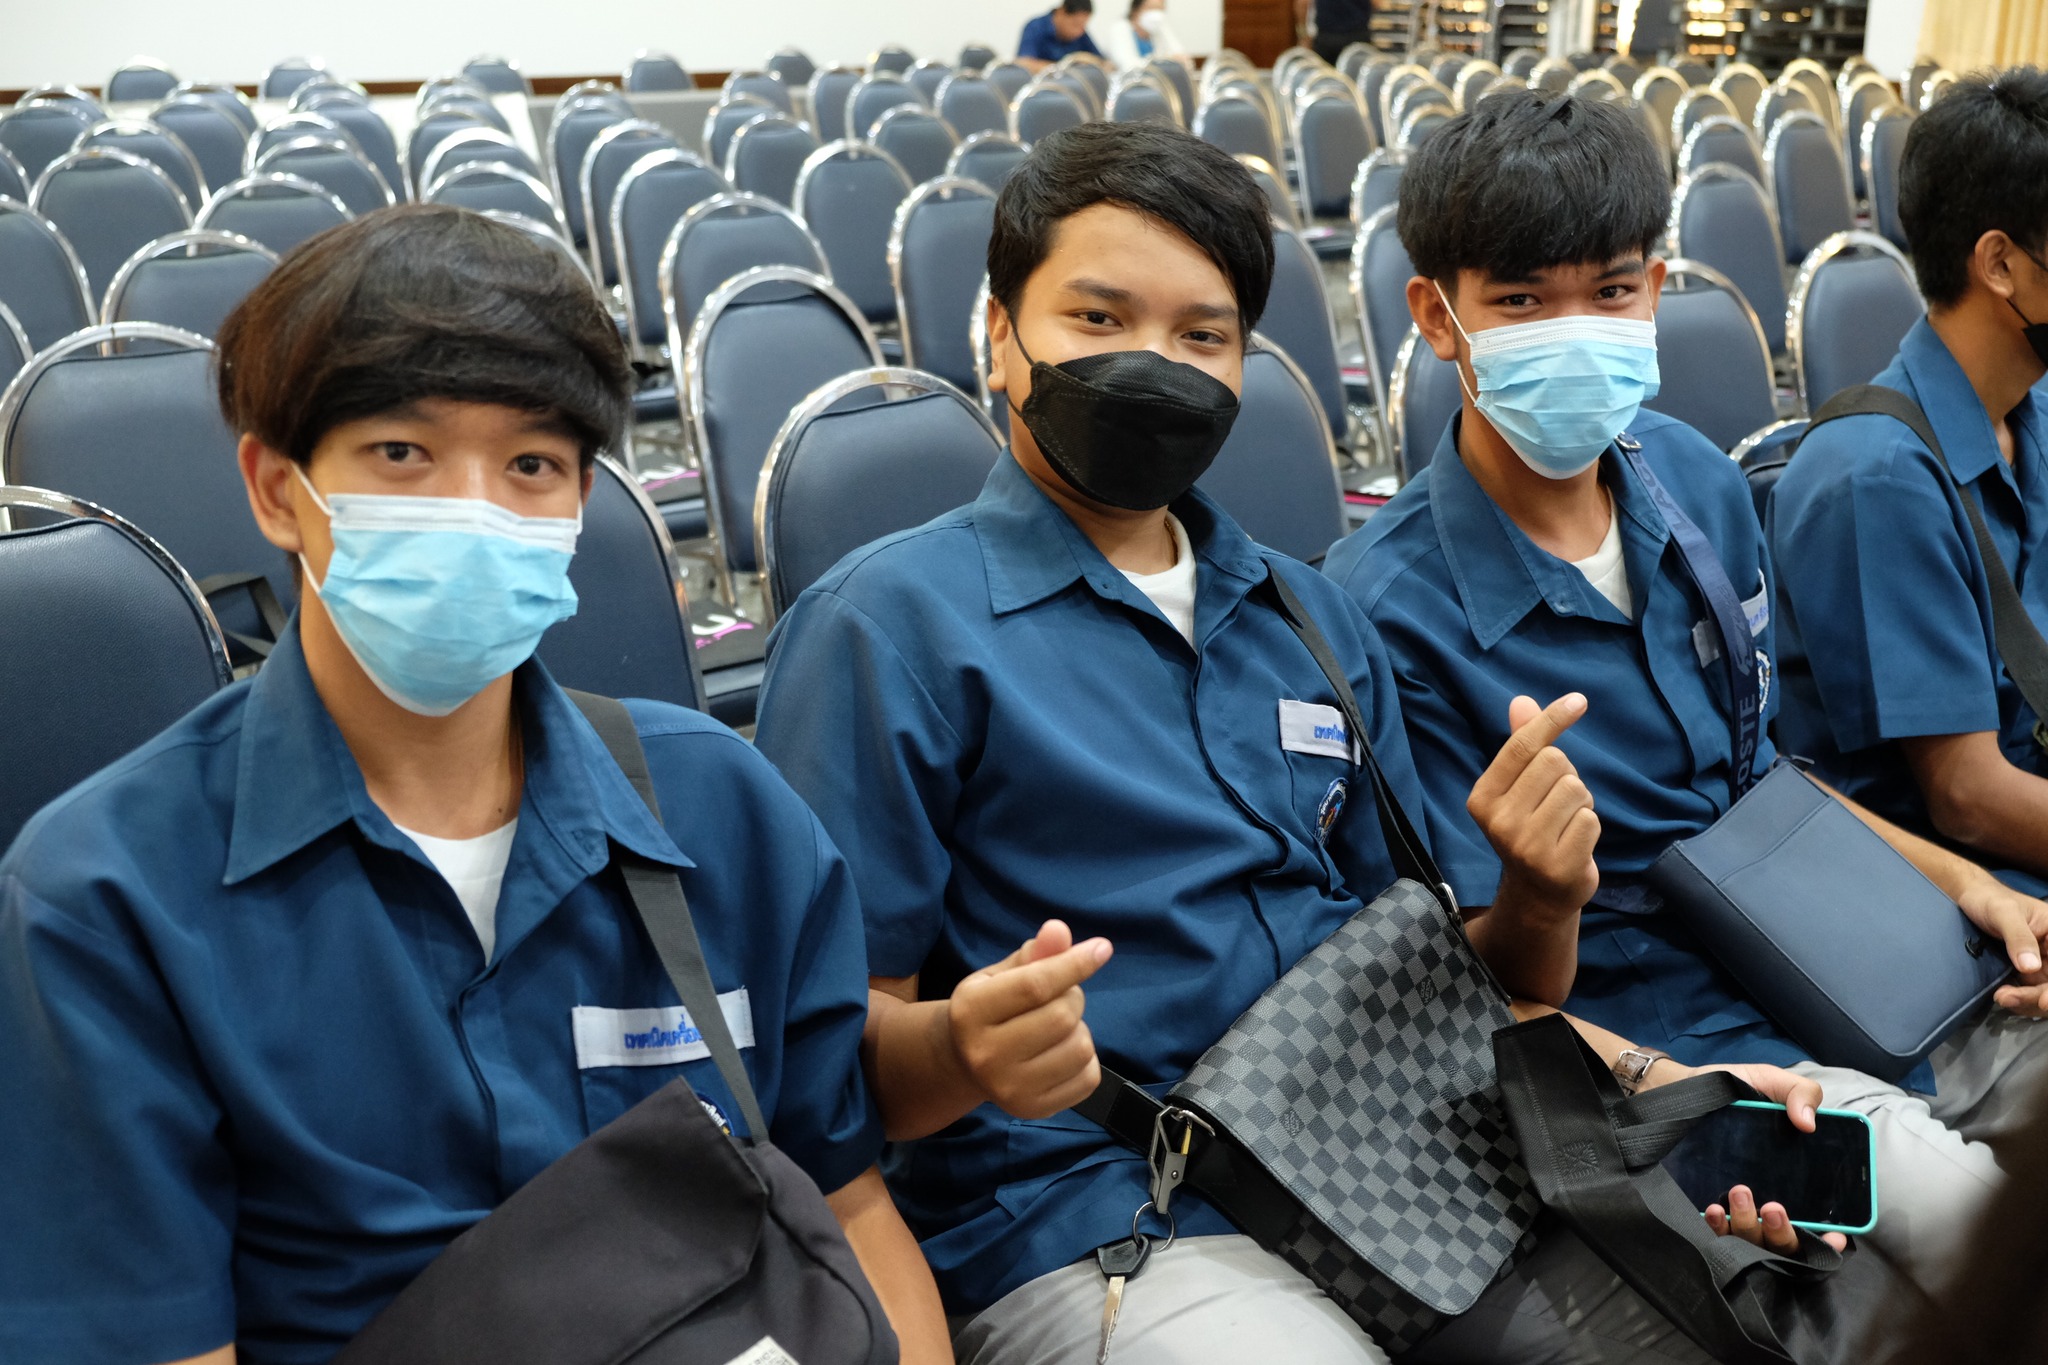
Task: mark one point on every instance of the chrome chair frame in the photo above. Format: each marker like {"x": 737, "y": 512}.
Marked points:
{"x": 1835, "y": 245}
{"x": 187, "y": 241}
{"x": 942, "y": 187}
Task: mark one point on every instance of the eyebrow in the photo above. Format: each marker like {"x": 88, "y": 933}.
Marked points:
{"x": 1110, "y": 293}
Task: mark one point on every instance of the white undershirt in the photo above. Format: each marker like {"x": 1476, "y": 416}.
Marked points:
{"x": 1604, "y": 569}
{"x": 1173, "y": 591}
{"x": 475, "y": 868}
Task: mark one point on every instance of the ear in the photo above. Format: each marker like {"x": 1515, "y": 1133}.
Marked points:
{"x": 998, "y": 347}
{"x": 1432, "y": 318}
{"x": 1653, "y": 280}
{"x": 1992, "y": 263}
{"x": 589, "y": 481}
{"x": 274, "y": 492}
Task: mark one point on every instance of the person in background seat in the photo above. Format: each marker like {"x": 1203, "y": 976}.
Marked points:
{"x": 1060, "y": 32}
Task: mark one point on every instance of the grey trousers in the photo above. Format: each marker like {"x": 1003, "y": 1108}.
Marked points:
{"x": 1221, "y": 1300}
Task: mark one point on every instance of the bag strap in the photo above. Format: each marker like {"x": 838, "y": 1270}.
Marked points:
{"x": 1410, "y": 854}
{"x": 2019, "y": 641}
{"x": 657, "y": 895}
{"x": 1575, "y": 1133}
{"x": 1724, "y": 608}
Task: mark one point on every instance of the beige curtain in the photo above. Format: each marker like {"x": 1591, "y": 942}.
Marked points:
{"x": 1965, "y": 35}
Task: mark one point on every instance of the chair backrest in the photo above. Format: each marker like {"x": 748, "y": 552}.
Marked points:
{"x": 1044, "y": 109}
{"x": 576, "y": 125}
{"x": 1743, "y": 86}
{"x": 1183, "y": 82}
{"x": 630, "y": 636}
{"x": 1092, "y": 72}
{"x": 38, "y": 134}
{"x": 610, "y": 154}
{"x": 1852, "y": 303}
{"x": 226, "y": 98}
{"x": 847, "y": 195}
{"x": 1714, "y": 363}
{"x": 288, "y": 75}
{"x": 970, "y": 104}
{"x": 1810, "y": 182}
{"x": 1380, "y": 271}
{"x": 1780, "y": 98}
{"x": 1238, "y": 124}
{"x": 656, "y": 71}
{"x": 208, "y": 132}
{"x": 44, "y": 284}
{"x": 1657, "y": 93}
{"x": 15, "y": 348}
{"x": 484, "y": 185}
{"x": 827, "y": 93}
{"x": 1422, "y": 121}
{"x": 140, "y": 432}
{"x": 867, "y": 455}
{"x": 1277, "y": 473}
{"x": 1298, "y": 320}
{"x": 279, "y": 211}
{"x": 141, "y": 79}
{"x": 762, "y": 343}
{"x": 1623, "y": 69}
{"x": 468, "y": 146}
{"x": 727, "y": 118}
{"x": 926, "y": 78}
{"x": 766, "y": 156}
{"x": 893, "y": 58}
{"x": 1722, "y": 218}
{"x": 104, "y": 642}
{"x": 978, "y": 57}
{"x": 432, "y": 93}
{"x": 430, "y": 132}
{"x": 1934, "y": 87}
{"x": 1378, "y": 183}
{"x": 1884, "y": 144}
{"x": 1726, "y": 140}
{"x": 919, "y": 140}
{"x": 1521, "y": 61}
{"x": 189, "y": 280}
{"x": 794, "y": 67}
{"x": 938, "y": 253}
{"x": 499, "y": 75}
{"x": 1334, "y": 139}
{"x": 987, "y": 157}
{"x": 1140, "y": 96}
{"x": 1862, "y": 98}
{"x": 373, "y": 138}
{"x": 108, "y": 204}
{"x": 1473, "y": 79}
{"x": 761, "y": 85}
{"x": 1009, "y": 78}
{"x": 1762, "y": 457}
{"x": 1599, "y": 85}
{"x": 1810, "y": 76}
{"x": 153, "y": 144}
{"x": 1355, "y": 57}
{"x": 1693, "y": 71}
{"x": 720, "y": 238}
{"x": 654, "y": 194}
{"x": 14, "y": 182}
{"x": 335, "y": 167}
{"x": 1279, "y": 199}
{"x": 1697, "y": 105}
{"x": 1423, "y": 397}
{"x": 1551, "y": 74}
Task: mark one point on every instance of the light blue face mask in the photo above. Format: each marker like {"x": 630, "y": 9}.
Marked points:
{"x": 436, "y": 597}
{"x": 1560, "y": 390}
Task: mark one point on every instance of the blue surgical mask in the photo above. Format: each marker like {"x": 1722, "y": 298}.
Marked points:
{"x": 1561, "y": 389}
{"x": 436, "y": 597}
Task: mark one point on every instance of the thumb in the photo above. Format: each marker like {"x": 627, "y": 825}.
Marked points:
{"x": 2022, "y": 949}
{"x": 1521, "y": 711}
{"x": 1054, "y": 938}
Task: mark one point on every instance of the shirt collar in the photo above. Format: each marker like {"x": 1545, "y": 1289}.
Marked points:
{"x": 1953, "y": 409}
{"x": 296, "y": 780}
{"x": 1500, "y": 574}
{"x": 1030, "y": 549}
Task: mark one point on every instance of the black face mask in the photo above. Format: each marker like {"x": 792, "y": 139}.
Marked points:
{"x": 2036, "y": 332}
{"x": 1129, "y": 429}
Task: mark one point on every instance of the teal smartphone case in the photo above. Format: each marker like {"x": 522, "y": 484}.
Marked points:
{"x": 1870, "y": 1140}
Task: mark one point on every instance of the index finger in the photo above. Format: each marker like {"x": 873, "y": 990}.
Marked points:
{"x": 1022, "y": 989}
{"x": 1530, "y": 740}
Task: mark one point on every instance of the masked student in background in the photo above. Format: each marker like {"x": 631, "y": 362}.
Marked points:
{"x": 1144, "y": 32}
{"x": 1070, "y": 716}
{"x": 304, "y": 987}
{"x": 1532, "y": 555}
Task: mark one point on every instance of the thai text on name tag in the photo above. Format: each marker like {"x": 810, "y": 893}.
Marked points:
{"x": 654, "y": 1037}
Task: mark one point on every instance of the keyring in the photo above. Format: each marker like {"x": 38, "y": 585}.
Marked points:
{"x": 1172, "y": 1228}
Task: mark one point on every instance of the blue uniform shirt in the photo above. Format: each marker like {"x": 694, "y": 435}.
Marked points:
{"x": 1475, "y": 613}
{"x": 1042, "y": 41}
{"x": 998, "y": 729}
{"x": 1882, "y": 596}
{"x": 254, "y": 1071}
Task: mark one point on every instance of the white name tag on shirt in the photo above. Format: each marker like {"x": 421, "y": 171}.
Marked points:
{"x": 1706, "y": 641}
{"x": 1306, "y": 728}
{"x": 766, "y": 1351}
{"x": 659, "y": 1037}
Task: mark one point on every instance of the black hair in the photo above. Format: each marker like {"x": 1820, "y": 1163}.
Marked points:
{"x": 1077, "y": 6}
{"x": 1136, "y": 5}
{"x": 1975, "y": 162}
{"x": 1172, "y": 177}
{"x": 1528, "y": 181}
{"x": 413, "y": 302}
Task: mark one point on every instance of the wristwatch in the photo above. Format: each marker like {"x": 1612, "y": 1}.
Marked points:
{"x": 1634, "y": 1064}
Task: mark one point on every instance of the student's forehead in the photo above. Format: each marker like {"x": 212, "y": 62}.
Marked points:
{"x": 1629, "y": 263}
{"x": 1107, "y": 240}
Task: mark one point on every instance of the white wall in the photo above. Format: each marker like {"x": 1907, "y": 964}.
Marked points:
{"x": 1891, "y": 34}
{"x": 412, "y": 39}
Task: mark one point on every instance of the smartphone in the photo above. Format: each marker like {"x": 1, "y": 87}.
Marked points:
{"x": 1826, "y": 1179}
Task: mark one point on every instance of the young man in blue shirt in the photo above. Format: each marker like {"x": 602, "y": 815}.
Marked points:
{"x": 1529, "y": 557}
{"x": 304, "y": 987}
{"x": 1059, "y": 32}
{"x": 1068, "y": 716}
{"x": 1893, "y": 681}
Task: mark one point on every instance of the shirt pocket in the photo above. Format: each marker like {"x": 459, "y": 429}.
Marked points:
{"x": 625, "y": 1055}
{"x": 1321, "y": 777}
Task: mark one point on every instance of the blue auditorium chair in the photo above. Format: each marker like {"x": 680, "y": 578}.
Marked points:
{"x": 1377, "y": 185}
{"x": 1183, "y": 82}
{"x": 1712, "y": 356}
{"x": 1380, "y": 272}
{"x": 605, "y": 162}
{"x": 1277, "y": 473}
{"x": 1723, "y": 219}
{"x": 484, "y": 185}
{"x": 762, "y": 343}
{"x": 847, "y": 195}
{"x": 719, "y": 238}
{"x": 14, "y": 181}
{"x": 576, "y": 123}
{"x": 827, "y": 92}
{"x": 279, "y": 211}
{"x": 728, "y": 116}
{"x": 1884, "y": 144}
{"x": 138, "y": 137}
{"x": 1279, "y": 199}
{"x": 762, "y": 85}
{"x": 104, "y": 642}
{"x": 1423, "y": 397}
{"x": 978, "y": 57}
{"x": 919, "y": 140}
{"x": 988, "y": 158}
{"x": 630, "y": 636}
{"x": 970, "y": 103}
{"x": 335, "y": 166}
{"x": 1143, "y": 96}
{"x": 373, "y": 138}
{"x": 470, "y": 145}
{"x": 226, "y": 98}
{"x": 1852, "y": 304}
{"x": 1743, "y": 86}
{"x": 1090, "y": 74}
{"x": 189, "y": 280}
{"x": 140, "y": 432}
{"x": 1298, "y": 320}
{"x": 653, "y": 195}
{"x": 1762, "y": 457}
{"x": 794, "y": 67}
{"x": 499, "y": 75}
{"x": 766, "y": 156}
{"x": 656, "y": 72}
{"x": 1810, "y": 181}
{"x": 893, "y": 59}
{"x": 865, "y": 456}
{"x": 15, "y": 349}
{"x": 1042, "y": 109}
{"x": 1696, "y": 106}
{"x": 37, "y": 134}
{"x": 938, "y": 254}
{"x": 1238, "y": 124}
{"x": 108, "y": 205}
{"x": 1863, "y": 97}
{"x": 1009, "y": 78}
{"x": 44, "y": 284}
{"x": 874, "y": 95}
{"x": 926, "y": 78}
{"x": 1726, "y": 140}
{"x": 140, "y": 79}
{"x": 287, "y": 76}
{"x": 215, "y": 140}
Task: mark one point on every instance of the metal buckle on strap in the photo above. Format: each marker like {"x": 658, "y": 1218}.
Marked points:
{"x": 1169, "y": 1158}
